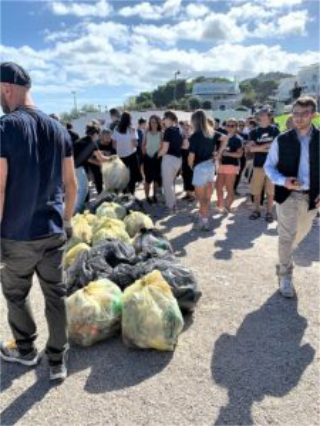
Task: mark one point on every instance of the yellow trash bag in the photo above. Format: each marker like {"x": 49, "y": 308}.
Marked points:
{"x": 90, "y": 218}
{"x": 113, "y": 210}
{"x": 73, "y": 253}
{"x": 81, "y": 229}
{"x": 151, "y": 317}
{"x": 94, "y": 312}
{"x": 113, "y": 233}
{"x": 135, "y": 221}
{"x": 107, "y": 223}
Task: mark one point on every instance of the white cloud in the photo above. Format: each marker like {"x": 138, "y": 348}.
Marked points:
{"x": 280, "y": 3}
{"x": 292, "y": 23}
{"x": 100, "y": 9}
{"x": 214, "y": 27}
{"x": 149, "y": 11}
{"x": 197, "y": 10}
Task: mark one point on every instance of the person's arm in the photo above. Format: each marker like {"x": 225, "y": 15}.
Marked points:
{"x": 272, "y": 171}
{"x": 3, "y": 183}
{"x": 134, "y": 138}
{"x": 70, "y": 183}
{"x": 237, "y": 154}
{"x": 223, "y": 144}
{"x": 164, "y": 149}
{"x": 259, "y": 148}
{"x": 144, "y": 144}
{"x": 191, "y": 158}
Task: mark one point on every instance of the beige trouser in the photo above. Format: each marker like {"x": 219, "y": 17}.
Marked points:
{"x": 294, "y": 223}
{"x": 169, "y": 168}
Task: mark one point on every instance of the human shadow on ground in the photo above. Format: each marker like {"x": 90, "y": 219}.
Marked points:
{"x": 264, "y": 358}
{"x": 115, "y": 367}
{"x": 241, "y": 233}
{"x": 14, "y": 412}
{"x": 308, "y": 251}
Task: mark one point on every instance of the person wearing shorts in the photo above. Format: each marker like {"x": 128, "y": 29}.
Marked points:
{"x": 203, "y": 145}
{"x": 229, "y": 166}
{"x": 260, "y": 142}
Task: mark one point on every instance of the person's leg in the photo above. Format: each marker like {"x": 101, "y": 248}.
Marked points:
{"x": 19, "y": 261}
{"x": 304, "y": 220}
{"x": 238, "y": 176}
{"x": 50, "y": 273}
{"x": 270, "y": 194}
{"x": 168, "y": 177}
{"x": 230, "y": 179}
{"x": 147, "y": 190}
{"x": 219, "y": 186}
{"x": 97, "y": 177}
{"x": 82, "y": 190}
{"x": 287, "y": 213}
{"x": 201, "y": 197}
{"x": 256, "y": 187}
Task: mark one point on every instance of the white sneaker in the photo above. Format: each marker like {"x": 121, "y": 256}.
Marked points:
{"x": 286, "y": 287}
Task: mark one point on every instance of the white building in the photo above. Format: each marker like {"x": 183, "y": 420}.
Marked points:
{"x": 284, "y": 93}
{"x": 221, "y": 95}
{"x": 309, "y": 80}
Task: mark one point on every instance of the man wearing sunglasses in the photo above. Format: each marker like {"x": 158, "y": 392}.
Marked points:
{"x": 293, "y": 166}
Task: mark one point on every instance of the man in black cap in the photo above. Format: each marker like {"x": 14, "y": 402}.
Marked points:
{"x": 36, "y": 176}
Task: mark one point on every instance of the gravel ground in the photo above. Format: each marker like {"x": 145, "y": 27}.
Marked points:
{"x": 247, "y": 356}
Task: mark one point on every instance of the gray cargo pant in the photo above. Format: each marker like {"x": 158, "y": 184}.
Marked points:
{"x": 21, "y": 260}
{"x": 294, "y": 223}
{"x": 169, "y": 169}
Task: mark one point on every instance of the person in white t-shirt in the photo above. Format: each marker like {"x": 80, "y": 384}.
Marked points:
{"x": 125, "y": 143}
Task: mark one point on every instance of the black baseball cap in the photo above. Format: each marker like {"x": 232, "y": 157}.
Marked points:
{"x": 14, "y": 74}
{"x": 265, "y": 110}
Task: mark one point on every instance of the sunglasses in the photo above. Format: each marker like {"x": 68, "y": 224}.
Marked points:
{"x": 231, "y": 125}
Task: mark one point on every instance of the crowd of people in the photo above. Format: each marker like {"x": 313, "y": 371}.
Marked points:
{"x": 205, "y": 152}
{"x": 44, "y": 171}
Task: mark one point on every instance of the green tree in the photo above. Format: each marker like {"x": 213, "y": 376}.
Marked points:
{"x": 249, "y": 99}
{"x": 88, "y": 108}
{"x": 206, "y": 105}
{"x": 194, "y": 103}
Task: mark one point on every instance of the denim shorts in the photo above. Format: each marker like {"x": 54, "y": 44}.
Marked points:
{"x": 203, "y": 173}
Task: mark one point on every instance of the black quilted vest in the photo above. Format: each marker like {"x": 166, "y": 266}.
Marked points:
{"x": 289, "y": 160}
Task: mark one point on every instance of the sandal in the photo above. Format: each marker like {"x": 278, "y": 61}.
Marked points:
{"x": 269, "y": 217}
{"x": 255, "y": 215}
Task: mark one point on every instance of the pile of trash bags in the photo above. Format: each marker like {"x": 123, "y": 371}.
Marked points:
{"x": 128, "y": 201}
{"x": 118, "y": 250}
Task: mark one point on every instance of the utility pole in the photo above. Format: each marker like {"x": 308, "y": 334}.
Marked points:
{"x": 74, "y": 93}
{"x": 175, "y": 89}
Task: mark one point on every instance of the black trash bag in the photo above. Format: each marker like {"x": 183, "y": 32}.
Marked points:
{"x": 153, "y": 242}
{"x": 77, "y": 275}
{"x": 129, "y": 202}
{"x": 181, "y": 280}
{"x": 124, "y": 275}
{"x": 113, "y": 252}
{"x": 107, "y": 197}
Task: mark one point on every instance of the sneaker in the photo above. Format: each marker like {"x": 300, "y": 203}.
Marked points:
{"x": 10, "y": 353}
{"x": 205, "y": 225}
{"x": 155, "y": 199}
{"x": 286, "y": 287}
{"x": 149, "y": 200}
{"x": 58, "y": 372}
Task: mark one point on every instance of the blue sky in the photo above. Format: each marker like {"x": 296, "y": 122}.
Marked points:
{"x": 109, "y": 50}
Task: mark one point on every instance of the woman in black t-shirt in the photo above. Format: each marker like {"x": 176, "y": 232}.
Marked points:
{"x": 204, "y": 144}
{"x": 229, "y": 165}
{"x": 171, "y": 151}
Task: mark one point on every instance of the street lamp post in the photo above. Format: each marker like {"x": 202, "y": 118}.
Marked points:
{"x": 74, "y": 93}
{"x": 175, "y": 89}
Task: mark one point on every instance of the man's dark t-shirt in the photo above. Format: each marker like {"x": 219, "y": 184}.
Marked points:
{"x": 83, "y": 150}
{"x": 34, "y": 146}
{"x": 174, "y": 137}
{"x": 262, "y": 136}
{"x": 234, "y": 143}
{"x": 203, "y": 147}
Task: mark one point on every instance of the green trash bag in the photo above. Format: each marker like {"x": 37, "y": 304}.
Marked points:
{"x": 151, "y": 317}
{"x": 94, "y": 312}
{"x": 136, "y": 221}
